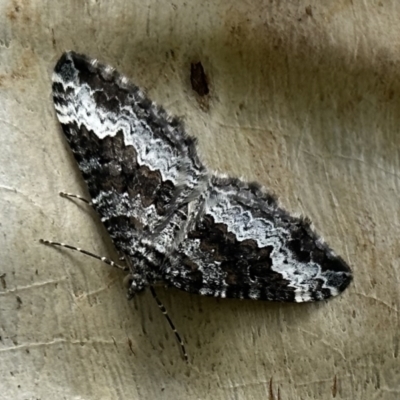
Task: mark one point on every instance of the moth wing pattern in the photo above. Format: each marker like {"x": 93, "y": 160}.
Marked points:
{"x": 242, "y": 244}
{"x": 172, "y": 219}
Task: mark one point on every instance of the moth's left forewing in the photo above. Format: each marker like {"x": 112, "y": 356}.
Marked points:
{"x": 138, "y": 162}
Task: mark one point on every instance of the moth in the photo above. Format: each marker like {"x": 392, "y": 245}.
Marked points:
{"x": 172, "y": 219}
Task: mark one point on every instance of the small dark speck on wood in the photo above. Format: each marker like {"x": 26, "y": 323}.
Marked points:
{"x": 19, "y": 302}
{"x": 3, "y": 281}
{"x": 198, "y": 78}
{"x": 334, "y": 387}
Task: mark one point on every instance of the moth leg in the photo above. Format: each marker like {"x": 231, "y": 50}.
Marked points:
{"x": 165, "y": 313}
{"x": 88, "y": 253}
{"x": 75, "y": 196}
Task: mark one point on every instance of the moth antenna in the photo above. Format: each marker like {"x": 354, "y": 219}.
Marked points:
{"x": 75, "y": 196}
{"x": 165, "y": 313}
{"x": 88, "y": 253}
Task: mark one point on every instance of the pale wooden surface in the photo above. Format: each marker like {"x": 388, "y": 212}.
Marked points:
{"x": 304, "y": 99}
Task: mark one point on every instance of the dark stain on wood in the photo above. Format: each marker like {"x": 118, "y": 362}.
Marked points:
{"x": 198, "y": 79}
